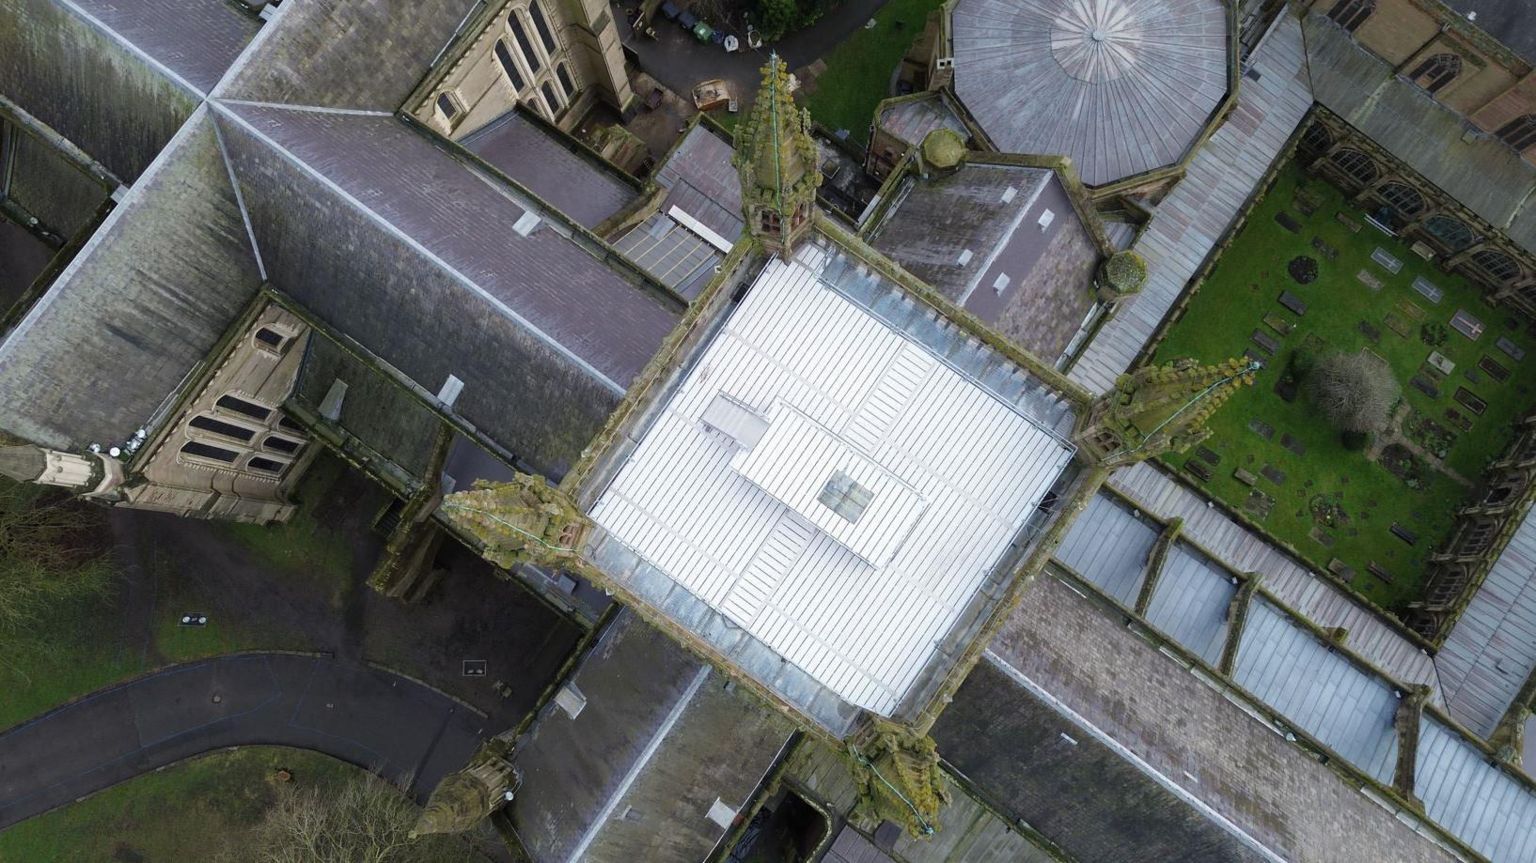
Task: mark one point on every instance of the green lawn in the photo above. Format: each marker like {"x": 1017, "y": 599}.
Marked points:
{"x": 183, "y": 813}
{"x": 858, "y": 73}
{"x": 1235, "y": 300}
{"x": 304, "y": 546}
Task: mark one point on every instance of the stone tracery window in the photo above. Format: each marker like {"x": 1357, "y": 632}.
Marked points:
{"x": 1520, "y": 132}
{"x": 1453, "y": 232}
{"x": 1350, "y": 14}
{"x": 1437, "y": 71}
{"x": 1316, "y": 139}
{"x": 509, "y": 66}
{"x": 1402, "y": 198}
{"x": 1497, "y": 265}
{"x": 1357, "y": 165}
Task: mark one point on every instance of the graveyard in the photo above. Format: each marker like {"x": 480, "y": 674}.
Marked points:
{"x": 1307, "y": 276}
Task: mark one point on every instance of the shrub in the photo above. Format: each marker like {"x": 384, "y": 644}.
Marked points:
{"x": 1355, "y": 392}
{"x": 777, "y": 17}
{"x": 1433, "y": 334}
{"x": 1303, "y": 268}
{"x": 1125, "y": 272}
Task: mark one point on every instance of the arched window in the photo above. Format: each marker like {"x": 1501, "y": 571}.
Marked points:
{"x": 446, "y": 105}
{"x": 1520, "y": 132}
{"x": 520, "y": 33}
{"x": 541, "y": 25}
{"x": 1454, "y": 233}
{"x": 1350, "y": 14}
{"x": 1316, "y": 139}
{"x": 1436, "y": 72}
{"x": 1403, "y": 199}
{"x": 504, "y": 56}
{"x": 1357, "y": 165}
{"x": 1497, "y": 265}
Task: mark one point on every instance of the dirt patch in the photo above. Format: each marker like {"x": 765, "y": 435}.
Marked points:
{"x": 1303, "y": 268}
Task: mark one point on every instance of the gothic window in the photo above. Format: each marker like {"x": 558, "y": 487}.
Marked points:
{"x": 566, "y": 83}
{"x": 242, "y": 406}
{"x": 1350, "y": 14}
{"x": 542, "y": 26}
{"x": 1357, "y": 165}
{"x": 549, "y": 96}
{"x": 768, "y": 220}
{"x": 1316, "y": 139}
{"x": 446, "y": 106}
{"x": 520, "y": 33}
{"x": 262, "y": 464}
{"x": 1497, "y": 265}
{"x": 508, "y": 66}
{"x": 1403, "y": 198}
{"x": 221, "y": 428}
{"x": 1437, "y": 71}
{"x": 1520, "y": 132}
{"x": 198, "y": 449}
{"x": 1454, "y": 233}
{"x": 282, "y": 445}
{"x": 272, "y": 340}
{"x": 1478, "y": 537}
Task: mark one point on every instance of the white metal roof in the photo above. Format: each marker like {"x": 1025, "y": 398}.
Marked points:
{"x": 954, "y": 473}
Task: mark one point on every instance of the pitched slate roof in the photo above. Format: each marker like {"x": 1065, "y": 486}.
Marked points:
{"x": 138, "y": 309}
{"x": 194, "y": 41}
{"x": 553, "y": 167}
{"x": 1120, "y": 86}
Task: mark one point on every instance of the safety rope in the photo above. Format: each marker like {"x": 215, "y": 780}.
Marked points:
{"x": 924, "y": 826}
{"x": 499, "y": 520}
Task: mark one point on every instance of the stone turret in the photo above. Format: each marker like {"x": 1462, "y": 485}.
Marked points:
{"x": 899, "y": 779}
{"x": 1158, "y": 409}
{"x": 92, "y": 475}
{"x": 777, "y": 161}
{"x": 464, "y": 798}
{"x": 526, "y": 520}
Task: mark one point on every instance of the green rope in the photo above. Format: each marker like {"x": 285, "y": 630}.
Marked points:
{"x": 778, "y": 167}
{"x": 1253, "y": 366}
{"x": 503, "y": 522}
{"x": 927, "y": 829}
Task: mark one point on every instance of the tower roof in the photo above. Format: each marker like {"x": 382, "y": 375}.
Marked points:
{"x": 774, "y": 150}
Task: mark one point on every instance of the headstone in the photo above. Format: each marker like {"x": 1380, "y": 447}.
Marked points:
{"x": 1293, "y": 444}
{"x": 1428, "y": 289}
{"x": 1246, "y": 477}
{"x": 1208, "y": 455}
{"x": 1369, "y": 330}
{"x": 1348, "y": 221}
{"x": 1492, "y": 367}
{"x": 1463, "y": 322}
{"x": 1455, "y": 418}
{"x": 1404, "y": 533}
{"x": 1425, "y": 386}
{"x": 1469, "y": 400}
{"x": 1278, "y": 323}
{"x": 1344, "y": 571}
{"x": 1199, "y": 469}
{"x": 1288, "y": 223}
{"x": 1273, "y": 474}
{"x": 1380, "y": 572}
{"x": 1262, "y": 429}
{"x": 1387, "y": 262}
{"x": 1369, "y": 279}
{"x": 1515, "y": 352}
{"x": 1394, "y": 322}
{"x": 1325, "y": 249}
{"x": 1293, "y": 303}
{"x": 1442, "y": 363}
{"x": 1265, "y": 341}
{"x": 1412, "y": 310}
{"x": 1423, "y": 250}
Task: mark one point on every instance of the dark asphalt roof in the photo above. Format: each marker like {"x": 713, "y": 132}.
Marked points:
{"x": 1508, "y": 21}
{"x": 632, "y": 777}
{"x": 196, "y": 39}
{"x": 385, "y": 282}
{"x": 551, "y": 165}
{"x": 154, "y": 292}
{"x": 372, "y": 718}
{"x": 88, "y": 86}
{"x": 701, "y": 181}
{"x": 465, "y": 219}
{"x": 348, "y": 53}
{"x": 1085, "y": 797}
{"x": 959, "y": 234}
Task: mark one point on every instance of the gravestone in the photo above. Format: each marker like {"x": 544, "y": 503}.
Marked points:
{"x": 1463, "y": 322}
{"x": 1262, "y": 429}
{"x": 1246, "y": 477}
{"x": 1404, "y": 534}
{"x": 1387, "y": 262}
{"x": 1369, "y": 330}
{"x": 1323, "y": 248}
{"x": 1411, "y": 309}
{"x": 1442, "y": 363}
{"x": 1469, "y": 400}
{"x": 1369, "y": 279}
{"x": 1428, "y": 289}
{"x": 1514, "y": 351}
{"x": 1293, "y": 444}
{"x": 1425, "y": 386}
{"x": 1293, "y": 303}
{"x": 1273, "y": 474}
{"x": 1265, "y": 341}
{"x": 1285, "y": 221}
{"x": 1394, "y": 322}
{"x": 1278, "y": 323}
{"x": 1348, "y": 221}
{"x": 1492, "y": 367}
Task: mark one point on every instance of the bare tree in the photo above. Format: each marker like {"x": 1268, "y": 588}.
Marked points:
{"x": 365, "y": 821}
{"x": 48, "y": 555}
{"x": 1355, "y": 392}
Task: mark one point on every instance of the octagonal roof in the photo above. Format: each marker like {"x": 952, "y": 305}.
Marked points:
{"x": 1120, "y": 86}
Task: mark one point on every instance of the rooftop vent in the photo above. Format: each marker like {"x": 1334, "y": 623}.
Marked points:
{"x": 1046, "y": 218}
{"x": 965, "y": 257}
{"x": 526, "y": 223}
{"x": 1009, "y": 194}
{"x": 734, "y": 419}
{"x": 845, "y": 497}
{"x": 450, "y": 391}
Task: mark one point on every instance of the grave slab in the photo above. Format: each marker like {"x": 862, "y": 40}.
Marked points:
{"x": 1387, "y": 262}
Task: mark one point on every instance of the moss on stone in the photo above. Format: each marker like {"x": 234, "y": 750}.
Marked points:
{"x": 1125, "y": 272}
{"x": 944, "y": 149}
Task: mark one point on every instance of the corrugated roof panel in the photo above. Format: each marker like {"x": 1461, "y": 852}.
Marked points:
{"x": 1347, "y": 708}
{"x": 1487, "y": 808}
{"x": 979, "y": 466}
{"x": 1109, "y": 545}
{"x": 1191, "y": 600}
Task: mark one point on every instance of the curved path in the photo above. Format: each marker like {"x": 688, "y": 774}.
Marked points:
{"x": 376, "y": 719}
